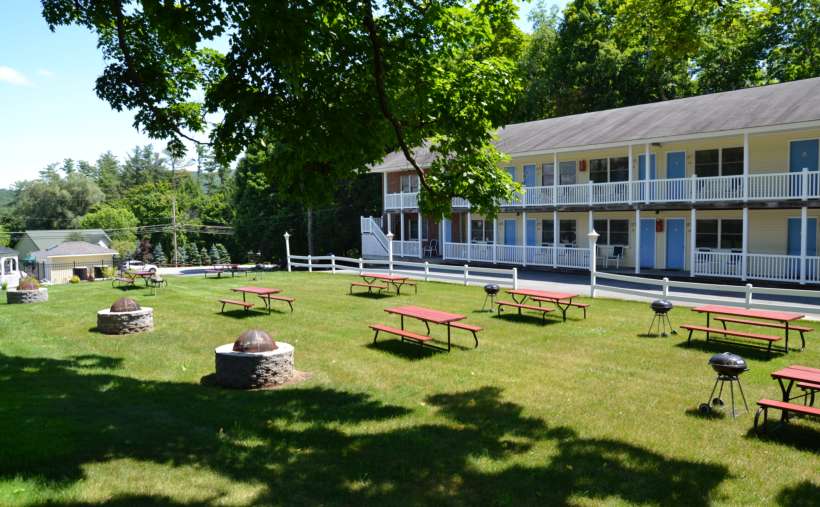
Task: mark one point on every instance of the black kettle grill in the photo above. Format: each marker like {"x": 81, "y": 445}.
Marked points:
{"x": 491, "y": 290}
{"x": 661, "y": 307}
{"x": 728, "y": 367}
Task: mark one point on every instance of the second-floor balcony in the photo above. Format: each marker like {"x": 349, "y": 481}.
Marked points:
{"x": 755, "y": 187}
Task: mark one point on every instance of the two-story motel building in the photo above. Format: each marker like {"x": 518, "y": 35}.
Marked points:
{"x": 732, "y": 190}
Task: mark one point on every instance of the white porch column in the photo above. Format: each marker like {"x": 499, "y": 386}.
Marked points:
{"x": 693, "y": 231}
{"x": 803, "y": 240}
{"x": 646, "y": 173}
{"x": 745, "y": 171}
{"x": 556, "y": 237}
{"x": 389, "y": 225}
{"x": 384, "y": 188}
{"x": 555, "y": 179}
{"x": 524, "y": 237}
{"x": 401, "y": 234}
{"x": 444, "y": 239}
{"x": 421, "y": 253}
{"x": 637, "y": 241}
{"x": 744, "y": 260}
{"x": 629, "y": 175}
{"x": 495, "y": 235}
{"x": 469, "y": 235}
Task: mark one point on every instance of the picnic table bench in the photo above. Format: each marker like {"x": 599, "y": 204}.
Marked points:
{"x": 383, "y": 282}
{"x": 787, "y": 378}
{"x": 287, "y": 299}
{"x": 561, "y": 300}
{"x": 520, "y": 306}
{"x": 427, "y": 316}
{"x": 124, "y": 281}
{"x": 244, "y": 304}
{"x": 217, "y": 271}
{"x": 763, "y": 318}
{"x": 266, "y": 294}
{"x": 777, "y": 325}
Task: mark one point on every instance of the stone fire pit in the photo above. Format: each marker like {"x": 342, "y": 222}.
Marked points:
{"x": 125, "y": 317}
{"x": 253, "y": 361}
{"x": 28, "y": 291}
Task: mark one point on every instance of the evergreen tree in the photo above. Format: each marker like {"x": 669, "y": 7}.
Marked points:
{"x": 204, "y": 260}
{"x": 159, "y": 255}
{"x": 180, "y": 256}
{"x": 224, "y": 256}
{"x": 192, "y": 254}
{"x": 213, "y": 253}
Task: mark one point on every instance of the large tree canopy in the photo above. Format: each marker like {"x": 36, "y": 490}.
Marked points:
{"x": 324, "y": 87}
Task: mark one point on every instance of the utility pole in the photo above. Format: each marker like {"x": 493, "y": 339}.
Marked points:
{"x": 174, "y": 225}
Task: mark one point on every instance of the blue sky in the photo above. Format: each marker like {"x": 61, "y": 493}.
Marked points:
{"x": 48, "y": 108}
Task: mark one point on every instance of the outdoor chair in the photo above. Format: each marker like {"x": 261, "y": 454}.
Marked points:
{"x": 616, "y": 255}
{"x": 431, "y": 248}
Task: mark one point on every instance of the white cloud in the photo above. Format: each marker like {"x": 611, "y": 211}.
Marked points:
{"x": 45, "y": 73}
{"x": 11, "y": 76}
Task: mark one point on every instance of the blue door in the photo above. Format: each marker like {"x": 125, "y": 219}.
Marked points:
{"x": 529, "y": 175}
{"x": 795, "y": 240}
{"x": 676, "y": 169}
{"x": 530, "y": 232}
{"x": 509, "y": 232}
{"x": 675, "y": 243}
{"x": 804, "y": 154}
{"x": 642, "y": 175}
{"x": 448, "y": 231}
{"x": 648, "y": 243}
{"x": 511, "y": 171}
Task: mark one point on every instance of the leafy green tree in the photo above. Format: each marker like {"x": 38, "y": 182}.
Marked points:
{"x": 338, "y": 87}
{"x": 159, "y": 255}
{"x": 794, "y": 40}
{"x": 53, "y": 202}
{"x": 118, "y": 222}
{"x": 5, "y": 236}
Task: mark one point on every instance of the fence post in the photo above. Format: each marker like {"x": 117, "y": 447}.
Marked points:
{"x": 665, "y": 287}
{"x": 310, "y": 264}
{"x": 749, "y": 295}
{"x": 390, "y": 252}
{"x": 593, "y": 239}
{"x": 361, "y": 266}
{"x": 287, "y": 249}
{"x": 466, "y": 273}
{"x": 333, "y": 263}
{"x": 426, "y": 271}
{"x": 515, "y": 278}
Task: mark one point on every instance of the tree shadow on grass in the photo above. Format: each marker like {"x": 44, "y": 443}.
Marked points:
{"x": 307, "y": 446}
{"x": 802, "y": 494}
{"x": 797, "y": 433}
{"x": 747, "y": 351}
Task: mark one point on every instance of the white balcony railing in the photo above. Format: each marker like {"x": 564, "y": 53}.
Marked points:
{"x": 406, "y": 248}
{"x": 757, "y": 187}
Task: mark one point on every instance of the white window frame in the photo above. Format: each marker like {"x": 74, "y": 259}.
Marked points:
{"x": 412, "y": 180}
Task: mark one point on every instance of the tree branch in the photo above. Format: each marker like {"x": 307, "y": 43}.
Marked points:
{"x": 133, "y": 76}
{"x": 378, "y": 76}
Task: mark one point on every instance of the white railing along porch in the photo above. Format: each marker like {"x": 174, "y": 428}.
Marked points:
{"x": 406, "y": 248}
{"x": 719, "y": 264}
{"x": 755, "y": 187}
{"x": 565, "y": 257}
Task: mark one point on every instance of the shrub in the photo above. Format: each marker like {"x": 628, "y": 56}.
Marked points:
{"x": 29, "y": 283}
{"x": 5, "y": 285}
{"x": 74, "y": 279}
{"x": 204, "y": 260}
{"x": 108, "y": 271}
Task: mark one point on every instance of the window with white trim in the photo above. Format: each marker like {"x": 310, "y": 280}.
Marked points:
{"x": 720, "y": 234}
{"x": 567, "y": 173}
{"x": 719, "y": 162}
{"x": 612, "y": 232}
{"x": 481, "y": 231}
{"x": 409, "y": 183}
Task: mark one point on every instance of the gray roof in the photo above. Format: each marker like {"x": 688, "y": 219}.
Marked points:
{"x": 72, "y": 248}
{"x": 764, "y": 106}
{"x": 46, "y": 239}
{"x": 7, "y": 251}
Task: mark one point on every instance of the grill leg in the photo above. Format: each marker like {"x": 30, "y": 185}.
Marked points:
{"x": 652, "y": 324}
{"x": 732, "y": 391}
{"x": 712, "y": 394}
{"x": 742, "y": 395}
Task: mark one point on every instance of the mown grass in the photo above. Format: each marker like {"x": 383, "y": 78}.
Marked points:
{"x": 583, "y": 412}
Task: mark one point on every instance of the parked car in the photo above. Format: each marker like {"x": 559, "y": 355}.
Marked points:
{"x": 134, "y": 265}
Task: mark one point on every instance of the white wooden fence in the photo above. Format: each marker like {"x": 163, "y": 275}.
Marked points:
{"x": 426, "y": 271}
{"x": 736, "y": 295}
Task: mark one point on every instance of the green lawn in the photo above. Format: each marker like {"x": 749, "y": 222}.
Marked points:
{"x": 583, "y": 412}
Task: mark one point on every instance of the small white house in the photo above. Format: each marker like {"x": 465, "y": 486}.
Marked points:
{"x": 58, "y": 264}
{"x": 9, "y": 267}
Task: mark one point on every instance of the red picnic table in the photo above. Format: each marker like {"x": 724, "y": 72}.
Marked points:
{"x": 426, "y": 315}
{"x": 765, "y": 318}
{"x": 562, "y": 300}
{"x": 397, "y": 281}
{"x": 265, "y": 294}
{"x": 806, "y": 377}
